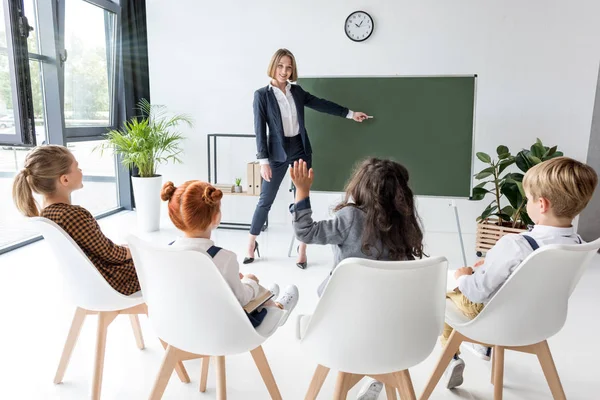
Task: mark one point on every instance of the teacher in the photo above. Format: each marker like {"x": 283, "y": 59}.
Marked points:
{"x": 280, "y": 107}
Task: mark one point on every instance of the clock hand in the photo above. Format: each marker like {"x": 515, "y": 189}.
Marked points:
{"x": 361, "y": 23}
{"x": 358, "y": 26}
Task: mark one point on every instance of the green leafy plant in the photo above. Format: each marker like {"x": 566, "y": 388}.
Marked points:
{"x": 238, "y": 181}
{"x": 509, "y": 185}
{"x": 149, "y": 140}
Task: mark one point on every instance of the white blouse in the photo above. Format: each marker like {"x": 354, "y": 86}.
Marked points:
{"x": 289, "y": 113}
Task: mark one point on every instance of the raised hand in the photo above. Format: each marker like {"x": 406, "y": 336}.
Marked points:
{"x": 302, "y": 178}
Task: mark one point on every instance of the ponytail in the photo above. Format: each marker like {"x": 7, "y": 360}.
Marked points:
{"x": 23, "y": 196}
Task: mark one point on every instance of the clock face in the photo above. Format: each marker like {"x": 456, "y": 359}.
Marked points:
{"x": 358, "y": 26}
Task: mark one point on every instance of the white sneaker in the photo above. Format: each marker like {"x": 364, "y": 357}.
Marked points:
{"x": 288, "y": 299}
{"x": 480, "y": 351}
{"x": 454, "y": 373}
{"x": 274, "y": 288}
{"x": 370, "y": 390}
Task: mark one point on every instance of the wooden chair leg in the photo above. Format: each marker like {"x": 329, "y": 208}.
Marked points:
{"x": 406, "y": 388}
{"x": 76, "y": 325}
{"x": 493, "y": 360}
{"x": 166, "y": 370}
{"x": 137, "y": 331}
{"x": 317, "y": 382}
{"x": 221, "y": 378}
{"x": 341, "y": 386}
{"x": 104, "y": 320}
{"x": 452, "y": 346}
{"x": 545, "y": 357}
{"x": 265, "y": 371}
{"x": 498, "y": 372}
{"x": 390, "y": 393}
{"x": 179, "y": 368}
{"x": 204, "y": 373}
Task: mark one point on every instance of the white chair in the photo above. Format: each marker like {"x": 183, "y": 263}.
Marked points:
{"x": 192, "y": 308}
{"x": 91, "y": 294}
{"x": 377, "y": 319}
{"x": 527, "y": 310}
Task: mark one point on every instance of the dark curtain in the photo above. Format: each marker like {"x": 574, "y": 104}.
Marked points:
{"x": 134, "y": 49}
{"x": 135, "y": 54}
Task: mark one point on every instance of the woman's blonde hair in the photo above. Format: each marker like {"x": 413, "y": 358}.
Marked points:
{"x": 44, "y": 165}
{"x": 566, "y": 183}
{"x": 272, "y": 70}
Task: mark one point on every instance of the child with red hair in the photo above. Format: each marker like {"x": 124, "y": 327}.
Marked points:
{"x": 195, "y": 209}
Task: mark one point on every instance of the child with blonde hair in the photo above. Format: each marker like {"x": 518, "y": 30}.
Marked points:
{"x": 557, "y": 191}
{"x": 53, "y": 172}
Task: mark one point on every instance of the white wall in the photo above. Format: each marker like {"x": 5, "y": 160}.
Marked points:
{"x": 537, "y": 63}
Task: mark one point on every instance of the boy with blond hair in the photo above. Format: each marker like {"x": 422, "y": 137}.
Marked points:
{"x": 557, "y": 191}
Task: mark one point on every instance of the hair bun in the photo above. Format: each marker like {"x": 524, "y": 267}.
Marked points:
{"x": 212, "y": 195}
{"x": 167, "y": 191}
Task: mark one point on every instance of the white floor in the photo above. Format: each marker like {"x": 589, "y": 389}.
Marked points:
{"x": 35, "y": 320}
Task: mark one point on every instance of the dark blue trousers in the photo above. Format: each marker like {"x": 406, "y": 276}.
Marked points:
{"x": 295, "y": 151}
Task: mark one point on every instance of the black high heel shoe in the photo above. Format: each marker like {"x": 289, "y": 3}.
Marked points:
{"x": 301, "y": 265}
{"x": 248, "y": 260}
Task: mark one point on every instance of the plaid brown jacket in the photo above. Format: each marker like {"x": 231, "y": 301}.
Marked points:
{"x": 109, "y": 258}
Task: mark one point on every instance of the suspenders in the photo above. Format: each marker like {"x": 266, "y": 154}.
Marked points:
{"x": 534, "y": 245}
{"x": 212, "y": 250}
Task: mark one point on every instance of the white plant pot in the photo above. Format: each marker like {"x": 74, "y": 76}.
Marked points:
{"x": 146, "y": 192}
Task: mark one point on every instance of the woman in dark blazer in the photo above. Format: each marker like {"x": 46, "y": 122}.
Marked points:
{"x": 280, "y": 107}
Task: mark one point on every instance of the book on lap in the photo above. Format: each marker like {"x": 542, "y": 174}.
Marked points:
{"x": 264, "y": 295}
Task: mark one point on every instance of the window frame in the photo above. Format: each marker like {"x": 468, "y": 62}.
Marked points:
{"x": 84, "y": 133}
{"x": 19, "y": 76}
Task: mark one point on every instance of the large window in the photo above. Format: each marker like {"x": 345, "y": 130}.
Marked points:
{"x": 59, "y": 74}
{"x": 90, "y": 37}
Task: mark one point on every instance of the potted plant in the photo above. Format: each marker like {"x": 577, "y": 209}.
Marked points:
{"x": 499, "y": 218}
{"x": 238, "y": 185}
{"x": 145, "y": 142}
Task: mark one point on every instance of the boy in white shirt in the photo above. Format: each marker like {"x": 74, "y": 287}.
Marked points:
{"x": 557, "y": 191}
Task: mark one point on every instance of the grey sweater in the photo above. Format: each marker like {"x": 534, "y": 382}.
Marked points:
{"x": 343, "y": 232}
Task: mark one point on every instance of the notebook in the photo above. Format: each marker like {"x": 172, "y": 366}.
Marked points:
{"x": 264, "y": 295}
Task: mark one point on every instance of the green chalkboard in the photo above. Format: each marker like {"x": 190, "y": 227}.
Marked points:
{"x": 425, "y": 123}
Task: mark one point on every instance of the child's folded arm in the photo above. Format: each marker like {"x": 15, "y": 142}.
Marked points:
{"x": 333, "y": 231}
{"x": 246, "y": 289}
